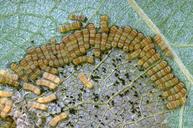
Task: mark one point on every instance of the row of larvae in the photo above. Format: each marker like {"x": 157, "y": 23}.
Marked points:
{"x": 161, "y": 74}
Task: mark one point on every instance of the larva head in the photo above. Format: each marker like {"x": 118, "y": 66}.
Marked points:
{"x": 157, "y": 38}
{"x": 104, "y": 18}
{"x": 91, "y": 26}
{"x": 90, "y": 59}
{"x": 163, "y": 64}
{"x": 78, "y": 34}
{"x": 127, "y": 29}
{"x": 113, "y": 29}
{"x": 167, "y": 69}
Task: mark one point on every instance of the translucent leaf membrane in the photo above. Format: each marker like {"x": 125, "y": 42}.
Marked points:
{"x": 32, "y": 23}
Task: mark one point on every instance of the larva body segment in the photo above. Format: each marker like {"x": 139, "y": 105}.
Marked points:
{"x": 104, "y": 38}
{"x": 83, "y": 59}
{"x": 158, "y": 40}
{"x": 92, "y": 32}
{"x": 176, "y": 103}
{"x": 104, "y": 24}
{"x": 58, "y": 118}
{"x": 126, "y": 31}
{"x": 51, "y": 77}
{"x": 70, "y": 27}
{"x": 7, "y": 106}
{"x": 97, "y": 45}
{"x": 32, "y": 88}
{"x": 170, "y": 83}
{"x": 79, "y": 37}
{"x": 80, "y": 18}
{"x": 86, "y": 82}
{"x": 146, "y": 56}
{"x": 86, "y": 38}
{"x": 46, "y": 83}
{"x": 161, "y": 73}
{"x": 117, "y": 37}
{"x": 178, "y": 95}
{"x": 47, "y": 99}
{"x": 5, "y": 94}
{"x": 157, "y": 68}
{"x": 150, "y": 61}
{"x": 134, "y": 54}
{"x": 39, "y": 106}
{"x": 112, "y": 33}
{"x": 129, "y": 39}
{"x": 173, "y": 90}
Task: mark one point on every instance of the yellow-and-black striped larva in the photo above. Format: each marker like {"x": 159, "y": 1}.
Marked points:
{"x": 72, "y": 47}
{"x": 6, "y": 107}
{"x": 104, "y": 24}
{"x": 92, "y": 32}
{"x": 83, "y": 59}
{"x": 145, "y": 56}
{"x": 47, "y": 99}
{"x": 79, "y": 36}
{"x": 168, "y": 84}
{"x": 126, "y": 31}
{"x": 85, "y": 33}
{"x": 164, "y": 79}
{"x": 130, "y": 38}
{"x": 146, "y": 41}
{"x": 8, "y": 78}
{"x": 5, "y": 94}
{"x": 86, "y": 82}
{"x": 32, "y": 88}
{"x": 156, "y": 57}
{"x": 104, "y": 37}
{"x": 134, "y": 54}
{"x": 58, "y": 118}
{"x": 157, "y": 67}
{"x": 97, "y": 45}
{"x": 161, "y": 73}
{"x": 178, "y": 95}
{"x": 38, "y": 106}
{"x": 51, "y": 77}
{"x": 70, "y": 27}
{"x": 46, "y": 83}
{"x": 80, "y": 18}
{"x": 135, "y": 43}
{"x": 176, "y": 103}
{"x": 163, "y": 46}
{"x": 112, "y": 33}
{"x": 177, "y": 88}
{"x": 117, "y": 37}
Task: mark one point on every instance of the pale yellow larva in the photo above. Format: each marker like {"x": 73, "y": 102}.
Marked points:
{"x": 58, "y": 118}
{"x": 86, "y": 82}
{"x": 47, "y": 99}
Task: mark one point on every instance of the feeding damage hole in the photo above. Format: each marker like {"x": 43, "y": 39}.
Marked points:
{"x": 95, "y": 77}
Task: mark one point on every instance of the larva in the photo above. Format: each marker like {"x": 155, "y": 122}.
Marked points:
{"x": 150, "y": 61}
{"x": 178, "y": 95}
{"x": 58, "y": 118}
{"x": 97, "y": 45}
{"x": 86, "y": 38}
{"x": 47, "y": 99}
{"x": 112, "y": 33}
{"x": 157, "y": 67}
{"x": 32, "y": 88}
{"x": 83, "y": 59}
{"x": 70, "y": 27}
{"x": 35, "y": 74}
{"x": 176, "y": 103}
{"x": 134, "y": 54}
{"x": 173, "y": 90}
{"x": 135, "y": 43}
{"x": 39, "y": 106}
{"x": 126, "y": 31}
{"x": 86, "y": 82}
{"x": 130, "y": 37}
{"x": 72, "y": 46}
{"x": 7, "y": 106}
{"x": 80, "y": 18}
{"x": 104, "y": 24}
{"x": 104, "y": 38}
{"x": 51, "y": 77}
{"x": 92, "y": 33}
{"x": 145, "y": 57}
{"x": 49, "y": 69}
{"x": 146, "y": 41}
{"x": 117, "y": 37}
{"x": 164, "y": 79}
{"x": 5, "y": 79}
{"x": 170, "y": 83}
{"x": 5, "y": 94}
{"x": 158, "y": 40}
{"x": 161, "y": 73}
{"x": 46, "y": 83}
{"x": 79, "y": 37}
{"x": 9, "y": 74}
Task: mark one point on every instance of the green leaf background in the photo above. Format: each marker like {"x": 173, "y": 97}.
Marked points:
{"x": 32, "y": 22}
